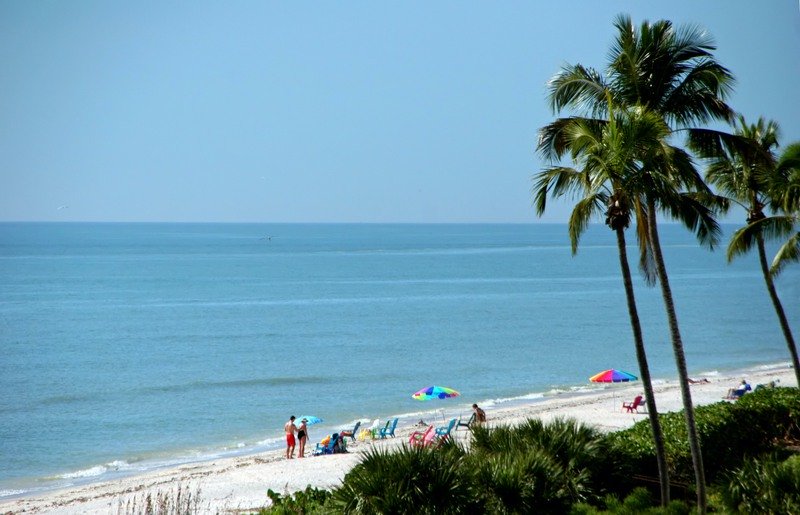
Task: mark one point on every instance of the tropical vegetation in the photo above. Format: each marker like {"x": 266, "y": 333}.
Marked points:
{"x": 567, "y": 467}
{"x": 671, "y": 73}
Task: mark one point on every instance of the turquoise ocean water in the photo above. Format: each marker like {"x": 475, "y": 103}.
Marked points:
{"x": 127, "y": 347}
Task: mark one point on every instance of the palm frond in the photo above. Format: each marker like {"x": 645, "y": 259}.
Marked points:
{"x": 699, "y": 97}
{"x": 578, "y": 87}
{"x": 556, "y": 181}
{"x": 646, "y": 259}
{"x": 777, "y": 227}
{"x": 787, "y": 253}
{"x": 691, "y": 210}
{"x": 552, "y": 139}
{"x": 582, "y": 215}
{"x": 790, "y": 158}
{"x": 785, "y": 185}
{"x": 714, "y": 144}
{"x": 770, "y": 228}
{"x": 729, "y": 179}
{"x": 555, "y": 138}
{"x": 742, "y": 241}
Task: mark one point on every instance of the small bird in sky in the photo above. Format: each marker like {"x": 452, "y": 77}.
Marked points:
{"x": 62, "y": 207}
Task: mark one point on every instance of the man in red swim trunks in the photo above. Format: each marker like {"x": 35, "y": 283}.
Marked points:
{"x": 290, "y": 429}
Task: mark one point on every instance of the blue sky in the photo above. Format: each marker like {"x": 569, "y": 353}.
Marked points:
{"x": 321, "y": 111}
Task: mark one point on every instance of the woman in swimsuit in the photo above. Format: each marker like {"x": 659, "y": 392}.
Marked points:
{"x": 302, "y": 436}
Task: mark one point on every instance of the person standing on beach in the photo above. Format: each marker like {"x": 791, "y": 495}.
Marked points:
{"x": 302, "y": 437}
{"x": 480, "y": 415}
{"x": 290, "y": 430}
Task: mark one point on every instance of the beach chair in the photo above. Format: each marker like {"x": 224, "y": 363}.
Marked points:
{"x": 466, "y": 424}
{"x": 738, "y": 392}
{"x": 327, "y": 448}
{"x": 443, "y": 433}
{"x": 352, "y": 434}
{"x": 734, "y": 394}
{"x": 374, "y": 428}
{"x": 389, "y": 429}
{"x": 422, "y": 438}
{"x": 633, "y": 406}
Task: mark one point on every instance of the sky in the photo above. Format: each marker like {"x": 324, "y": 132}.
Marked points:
{"x": 262, "y": 111}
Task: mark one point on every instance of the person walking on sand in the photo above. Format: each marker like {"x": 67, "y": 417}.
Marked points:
{"x": 290, "y": 430}
{"x": 302, "y": 437}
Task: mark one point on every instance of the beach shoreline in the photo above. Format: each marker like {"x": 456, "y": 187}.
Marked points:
{"x": 240, "y": 483}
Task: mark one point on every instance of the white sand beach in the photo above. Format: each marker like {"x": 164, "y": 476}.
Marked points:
{"x": 240, "y": 484}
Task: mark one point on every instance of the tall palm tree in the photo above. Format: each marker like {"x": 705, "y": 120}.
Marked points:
{"x": 671, "y": 72}
{"x": 745, "y": 168}
{"x": 610, "y": 156}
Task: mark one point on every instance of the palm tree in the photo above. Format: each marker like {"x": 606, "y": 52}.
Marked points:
{"x": 610, "y": 155}
{"x": 746, "y": 169}
{"x": 671, "y": 72}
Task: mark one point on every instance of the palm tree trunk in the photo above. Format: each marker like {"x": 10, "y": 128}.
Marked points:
{"x": 644, "y": 370}
{"x": 680, "y": 359}
{"x": 787, "y": 332}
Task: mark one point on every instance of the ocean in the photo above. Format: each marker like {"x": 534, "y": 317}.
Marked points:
{"x": 129, "y": 347}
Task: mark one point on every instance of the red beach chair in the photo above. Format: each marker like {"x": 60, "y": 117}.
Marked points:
{"x": 633, "y": 406}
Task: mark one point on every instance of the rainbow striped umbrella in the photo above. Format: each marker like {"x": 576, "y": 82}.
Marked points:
{"x": 435, "y": 392}
{"x": 612, "y": 375}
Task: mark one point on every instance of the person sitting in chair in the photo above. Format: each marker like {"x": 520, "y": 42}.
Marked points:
{"x": 735, "y": 393}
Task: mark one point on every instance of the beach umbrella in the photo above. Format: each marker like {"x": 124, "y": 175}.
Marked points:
{"x": 435, "y": 392}
{"x": 310, "y": 420}
{"x": 612, "y": 375}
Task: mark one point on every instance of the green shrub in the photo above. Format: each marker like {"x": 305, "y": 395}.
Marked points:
{"x": 531, "y": 482}
{"x": 310, "y": 501}
{"x": 562, "y": 461}
{"x": 763, "y": 486}
{"x": 640, "y": 501}
{"x": 729, "y": 433}
{"x": 410, "y": 480}
{"x": 550, "y": 468}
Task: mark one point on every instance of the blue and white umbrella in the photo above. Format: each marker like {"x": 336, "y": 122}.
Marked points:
{"x": 310, "y": 420}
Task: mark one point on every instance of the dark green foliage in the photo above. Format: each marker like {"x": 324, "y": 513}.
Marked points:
{"x": 411, "y": 480}
{"x": 305, "y": 502}
{"x": 763, "y": 486}
{"x": 574, "y": 449}
{"x": 536, "y": 467}
{"x": 551, "y": 468}
{"x": 729, "y": 433}
{"x": 640, "y": 501}
{"x": 530, "y": 482}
